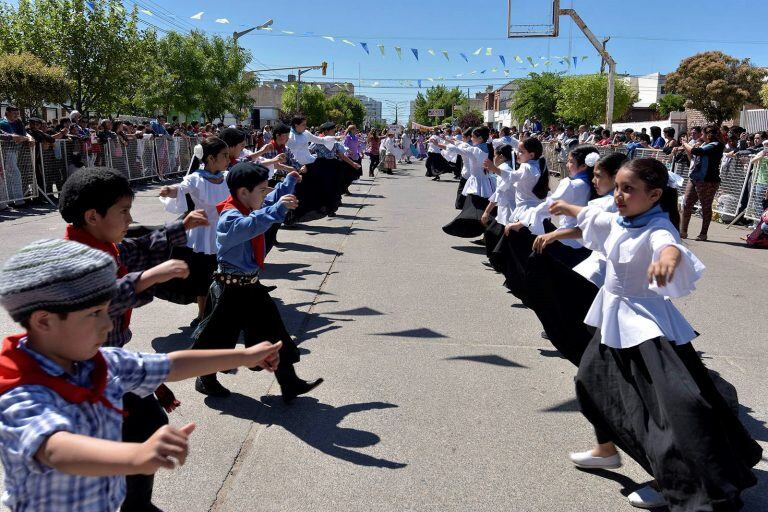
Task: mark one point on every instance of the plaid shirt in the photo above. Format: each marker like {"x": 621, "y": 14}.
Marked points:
{"x": 320, "y": 151}
{"x": 139, "y": 254}
{"x": 29, "y": 415}
{"x": 290, "y": 160}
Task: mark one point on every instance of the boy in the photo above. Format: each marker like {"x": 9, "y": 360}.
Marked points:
{"x": 96, "y": 202}
{"x": 61, "y": 392}
{"x": 237, "y": 301}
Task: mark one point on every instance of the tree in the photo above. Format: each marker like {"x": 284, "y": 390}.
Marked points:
{"x": 223, "y": 85}
{"x": 439, "y": 97}
{"x": 347, "y": 107}
{"x": 28, "y": 82}
{"x": 470, "y": 118}
{"x": 764, "y": 95}
{"x": 313, "y": 104}
{"x": 669, "y": 103}
{"x": 717, "y": 84}
{"x": 537, "y": 96}
{"x": 581, "y": 99}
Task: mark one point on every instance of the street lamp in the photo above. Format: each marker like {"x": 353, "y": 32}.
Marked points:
{"x": 396, "y": 104}
{"x": 266, "y": 24}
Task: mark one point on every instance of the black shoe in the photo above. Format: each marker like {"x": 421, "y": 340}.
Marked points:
{"x": 331, "y": 214}
{"x": 544, "y": 335}
{"x": 299, "y": 388}
{"x": 194, "y": 323}
{"x": 211, "y": 387}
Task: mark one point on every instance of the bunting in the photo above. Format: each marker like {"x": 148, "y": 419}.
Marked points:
{"x": 503, "y": 60}
{"x": 445, "y": 54}
{"x": 381, "y": 49}
{"x": 415, "y": 53}
{"x": 464, "y": 56}
{"x": 365, "y": 47}
{"x": 399, "y": 52}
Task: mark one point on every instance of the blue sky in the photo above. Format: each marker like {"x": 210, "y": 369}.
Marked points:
{"x": 647, "y": 36}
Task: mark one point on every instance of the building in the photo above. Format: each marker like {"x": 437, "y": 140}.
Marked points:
{"x": 649, "y": 89}
{"x": 372, "y": 109}
{"x": 497, "y": 112}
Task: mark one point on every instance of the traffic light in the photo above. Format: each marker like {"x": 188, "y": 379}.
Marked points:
{"x": 324, "y": 67}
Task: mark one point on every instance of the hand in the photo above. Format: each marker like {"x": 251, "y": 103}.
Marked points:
{"x": 195, "y": 219}
{"x": 663, "y": 269}
{"x": 296, "y": 176}
{"x": 560, "y": 207}
{"x": 160, "y": 450}
{"x": 485, "y": 219}
{"x": 290, "y": 201}
{"x": 265, "y": 354}
{"x": 489, "y": 166}
{"x": 515, "y": 226}
{"x": 168, "y": 192}
{"x": 166, "y": 398}
{"x": 357, "y": 165}
{"x": 281, "y": 158}
{"x": 19, "y": 138}
{"x": 303, "y": 169}
{"x": 541, "y": 242}
{"x": 168, "y": 270}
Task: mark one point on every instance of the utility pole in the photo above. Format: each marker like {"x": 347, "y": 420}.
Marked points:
{"x": 323, "y": 67}
{"x": 602, "y": 60}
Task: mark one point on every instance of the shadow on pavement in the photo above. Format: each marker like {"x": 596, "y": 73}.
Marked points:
{"x": 568, "y": 406}
{"x": 179, "y": 340}
{"x": 472, "y": 249}
{"x": 488, "y": 359}
{"x": 357, "y": 312}
{"x": 413, "y": 333}
{"x": 311, "y": 421}
{"x": 294, "y": 246}
{"x": 550, "y": 353}
{"x": 286, "y": 271}
{"x": 628, "y": 485}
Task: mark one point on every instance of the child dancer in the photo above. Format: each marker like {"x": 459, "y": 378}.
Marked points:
{"x": 61, "y": 393}
{"x": 391, "y": 153}
{"x": 640, "y": 378}
{"x": 502, "y": 200}
{"x": 237, "y": 301}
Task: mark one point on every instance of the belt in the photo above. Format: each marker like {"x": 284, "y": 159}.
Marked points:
{"x": 236, "y": 279}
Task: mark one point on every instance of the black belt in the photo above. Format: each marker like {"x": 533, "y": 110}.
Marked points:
{"x": 236, "y": 279}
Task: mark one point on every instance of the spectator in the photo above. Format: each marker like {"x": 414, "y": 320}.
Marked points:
{"x": 760, "y": 166}
{"x": 13, "y": 125}
{"x": 669, "y": 140}
{"x": 757, "y": 143}
{"x": 157, "y": 126}
{"x": 703, "y": 180}
{"x": 583, "y": 134}
{"x": 267, "y": 134}
{"x": 657, "y": 141}
{"x": 605, "y": 138}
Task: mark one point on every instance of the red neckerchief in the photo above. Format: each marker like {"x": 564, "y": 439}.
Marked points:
{"x": 18, "y": 368}
{"x": 257, "y": 242}
{"x": 279, "y": 148}
{"x": 84, "y": 237}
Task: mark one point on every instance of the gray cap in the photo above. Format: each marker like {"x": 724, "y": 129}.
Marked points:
{"x": 59, "y": 276}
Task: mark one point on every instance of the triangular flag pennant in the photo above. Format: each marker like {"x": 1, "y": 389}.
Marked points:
{"x": 460, "y": 75}
{"x": 399, "y": 52}
{"x": 585, "y": 57}
{"x": 503, "y": 60}
{"x": 506, "y": 72}
{"x": 149, "y": 13}
{"x": 90, "y": 5}
{"x": 365, "y": 47}
{"x": 473, "y": 72}
{"x": 518, "y": 59}
{"x": 431, "y": 52}
{"x": 415, "y": 53}
{"x": 330, "y": 38}
{"x": 488, "y": 52}
{"x": 547, "y": 62}
{"x": 198, "y": 16}
{"x": 223, "y": 21}
{"x": 445, "y": 54}
{"x": 431, "y": 79}
{"x": 575, "y": 61}
{"x": 381, "y": 49}
{"x": 441, "y": 78}
{"x": 375, "y": 84}
{"x": 464, "y": 56}
{"x": 347, "y": 41}
{"x": 289, "y": 32}
{"x": 477, "y": 52}
{"x": 483, "y": 71}
{"x": 419, "y": 82}
{"x": 530, "y": 60}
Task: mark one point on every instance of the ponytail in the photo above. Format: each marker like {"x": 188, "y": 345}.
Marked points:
{"x": 541, "y": 188}
{"x": 668, "y": 203}
{"x": 655, "y": 175}
{"x": 211, "y": 146}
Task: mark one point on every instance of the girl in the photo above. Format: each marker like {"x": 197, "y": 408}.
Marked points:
{"x": 391, "y": 153}
{"x": 530, "y": 186}
{"x": 372, "y": 150}
{"x": 640, "y": 380}
{"x": 576, "y": 189}
{"x": 205, "y": 184}
{"x": 503, "y": 200}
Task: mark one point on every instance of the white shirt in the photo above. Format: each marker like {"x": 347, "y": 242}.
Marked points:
{"x": 569, "y": 190}
{"x": 432, "y": 146}
{"x": 479, "y": 182}
{"x": 593, "y": 267}
{"x": 299, "y": 145}
{"x": 504, "y": 196}
{"x": 506, "y": 141}
{"x": 627, "y": 310}
{"x": 206, "y": 196}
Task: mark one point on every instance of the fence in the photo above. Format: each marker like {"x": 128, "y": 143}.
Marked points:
{"x": 739, "y": 194}
{"x": 17, "y": 172}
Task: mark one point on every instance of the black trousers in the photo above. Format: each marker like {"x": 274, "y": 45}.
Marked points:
{"x": 374, "y": 163}
{"x": 145, "y": 416}
{"x": 232, "y": 310}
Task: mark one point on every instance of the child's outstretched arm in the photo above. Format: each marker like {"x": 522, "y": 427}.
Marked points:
{"x": 663, "y": 269}
{"x": 186, "y": 364}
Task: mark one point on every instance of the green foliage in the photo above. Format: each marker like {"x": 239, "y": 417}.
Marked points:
{"x": 669, "y": 103}
{"x": 28, "y": 82}
{"x": 717, "y": 84}
{"x": 439, "y": 97}
{"x": 343, "y": 107}
{"x": 537, "y": 96}
{"x": 764, "y": 95}
{"x": 313, "y": 103}
{"x": 465, "y": 119}
{"x": 582, "y": 99}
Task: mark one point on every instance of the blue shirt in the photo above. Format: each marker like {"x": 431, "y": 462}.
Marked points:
{"x": 321, "y": 151}
{"x": 16, "y": 127}
{"x": 234, "y": 231}
{"x": 29, "y": 415}
{"x": 158, "y": 128}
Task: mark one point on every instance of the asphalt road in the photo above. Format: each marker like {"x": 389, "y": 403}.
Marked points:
{"x": 440, "y": 394}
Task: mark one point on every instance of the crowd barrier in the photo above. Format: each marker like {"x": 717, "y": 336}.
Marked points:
{"x": 740, "y": 193}
{"x": 18, "y": 181}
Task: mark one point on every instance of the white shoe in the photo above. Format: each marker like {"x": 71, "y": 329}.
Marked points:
{"x": 586, "y": 460}
{"x": 647, "y": 497}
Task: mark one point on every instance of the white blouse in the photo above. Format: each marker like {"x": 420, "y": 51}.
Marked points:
{"x": 571, "y": 191}
{"x": 504, "y": 196}
{"x": 593, "y": 267}
{"x": 206, "y": 196}
{"x": 525, "y": 200}
{"x": 479, "y": 182}
{"x": 299, "y": 145}
{"x": 628, "y": 310}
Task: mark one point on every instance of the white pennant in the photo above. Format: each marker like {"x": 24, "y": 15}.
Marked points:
{"x": 198, "y": 16}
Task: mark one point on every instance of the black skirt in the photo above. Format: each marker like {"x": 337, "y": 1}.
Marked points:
{"x": 561, "y": 299}
{"x": 514, "y": 250}
{"x": 319, "y": 192}
{"x": 659, "y": 404}
{"x": 460, "y": 198}
{"x": 494, "y": 234}
{"x": 467, "y": 223}
{"x": 186, "y": 291}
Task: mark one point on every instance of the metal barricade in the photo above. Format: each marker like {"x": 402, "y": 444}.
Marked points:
{"x": 117, "y": 154}
{"x": 185, "y": 147}
{"x": 146, "y": 155}
{"x": 17, "y": 172}
{"x": 734, "y": 182}
{"x": 757, "y": 190}
{"x": 163, "y": 153}
{"x": 52, "y": 165}
{"x": 555, "y": 164}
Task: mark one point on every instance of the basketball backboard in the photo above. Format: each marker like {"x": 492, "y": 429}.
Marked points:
{"x": 533, "y": 18}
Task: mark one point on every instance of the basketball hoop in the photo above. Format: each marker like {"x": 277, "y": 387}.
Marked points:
{"x": 533, "y": 18}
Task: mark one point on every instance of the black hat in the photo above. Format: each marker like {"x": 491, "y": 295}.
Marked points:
{"x": 246, "y": 174}
{"x": 329, "y": 125}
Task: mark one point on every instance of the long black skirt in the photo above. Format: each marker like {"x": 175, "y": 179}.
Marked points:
{"x": 467, "y": 223}
{"x": 460, "y": 198}
{"x": 319, "y": 192}
{"x": 436, "y": 164}
{"x": 514, "y": 250}
{"x": 561, "y": 299}
{"x": 660, "y": 406}
{"x": 493, "y": 235}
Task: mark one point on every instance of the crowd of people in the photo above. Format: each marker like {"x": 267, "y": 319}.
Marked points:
{"x": 599, "y": 260}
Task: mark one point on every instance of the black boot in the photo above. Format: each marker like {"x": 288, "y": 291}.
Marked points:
{"x": 290, "y": 383}
{"x": 209, "y": 385}
{"x": 138, "y": 496}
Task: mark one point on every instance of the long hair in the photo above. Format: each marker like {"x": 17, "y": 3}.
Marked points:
{"x": 534, "y": 146}
{"x": 579, "y": 155}
{"x": 210, "y": 147}
{"x": 655, "y": 175}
